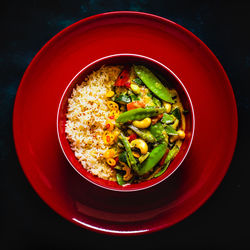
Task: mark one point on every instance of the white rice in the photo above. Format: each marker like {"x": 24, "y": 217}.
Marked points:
{"x": 86, "y": 119}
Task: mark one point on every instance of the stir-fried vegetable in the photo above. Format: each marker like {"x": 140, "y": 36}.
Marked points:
{"x": 153, "y": 83}
{"x": 144, "y": 134}
{"x": 139, "y": 114}
{"x": 153, "y": 158}
{"x": 145, "y": 127}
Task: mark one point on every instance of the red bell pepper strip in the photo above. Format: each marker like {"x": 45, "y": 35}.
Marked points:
{"x": 123, "y": 78}
{"x": 135, "y": 105}
{"x": 132, "y": 137}
{"x": 155, "y": 119}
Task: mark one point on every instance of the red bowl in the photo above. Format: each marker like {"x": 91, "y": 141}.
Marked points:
{"x": 121, "y": 59}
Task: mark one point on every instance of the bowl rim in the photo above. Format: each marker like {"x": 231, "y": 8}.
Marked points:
{"x": 146, "y": 58}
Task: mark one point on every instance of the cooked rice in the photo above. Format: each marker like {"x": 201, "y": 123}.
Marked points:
{"x": 86, "y": 119}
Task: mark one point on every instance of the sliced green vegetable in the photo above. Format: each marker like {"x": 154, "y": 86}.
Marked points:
{"x": 153, "y": 158}
{"x": 139, "y": 114}
{"x": 153, "y": 83}
{"x": 157, "y": 102}
{"x": 123, "y": 99}
{"x": 123, "y": 157}
{"x": 134, "y": 97}
{"x": 120, "y": 180}
{"x": 137, "y": 81}
{"x": 143, "y": 133}
{"x": 167, "y": 119}
{"x": 170, "y": 130}
{"x": 156, "y": 130}
{"x": 177, "y": 113}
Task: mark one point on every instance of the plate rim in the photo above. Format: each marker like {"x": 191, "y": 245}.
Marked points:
{"x": 228, "y": 160}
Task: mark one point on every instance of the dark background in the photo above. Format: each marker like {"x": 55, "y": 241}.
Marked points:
{"x": 27, "y": 222}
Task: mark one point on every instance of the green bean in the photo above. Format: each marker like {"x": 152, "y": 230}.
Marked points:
{"x": 153, "y": 158}
{"x": 120, "y": 180}
{"x": 144, "y": 134}
{"x": 139, "y": 114}
{"x": 162, "y": 170}
{"x": 153, "y": 83}
{"x": 171, "y": 154}
{"x": 130, "y": 158}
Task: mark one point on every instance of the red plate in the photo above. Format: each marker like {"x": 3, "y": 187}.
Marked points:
{"x": 34, "y": 123}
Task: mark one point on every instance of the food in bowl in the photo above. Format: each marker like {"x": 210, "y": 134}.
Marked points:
{"x": 124, "y": 124}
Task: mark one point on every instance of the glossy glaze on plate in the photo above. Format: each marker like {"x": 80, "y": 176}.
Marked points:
{"x": 34, "y": 123}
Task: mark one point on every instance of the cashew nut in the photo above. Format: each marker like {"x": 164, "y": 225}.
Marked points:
{"x": 140, "y": 144}
{"x": 145, "y": 123}
{"x": 181, "y": 135}
{"x": 128, "y": 174}
{"x": 167, "y": 106}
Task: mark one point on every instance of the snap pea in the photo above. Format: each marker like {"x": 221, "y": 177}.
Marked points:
{"x": 130, "y": 158}
{"x": 167, "y": 118}
{"x": 139, "y": 114}
{"x": 156, "y": 130}
{"x": 171, "y": 154}
{"x": 153, "y": 83}
{"x": 144, "y": 134}
{"x": 153, "y": 158}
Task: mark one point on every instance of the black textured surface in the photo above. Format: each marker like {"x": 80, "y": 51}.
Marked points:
{"x": 27, "y": 222}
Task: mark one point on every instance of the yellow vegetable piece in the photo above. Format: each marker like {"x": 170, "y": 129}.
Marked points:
{"x": 111, "y": 162}
{"x": 114, "y": 113}
{"x": 110, "y": 153}
{"x": 135, "y": 88}
{"x": 112, "y": 105}
{"x": 109, "y": 125}
{"x": 110, "y": 93}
